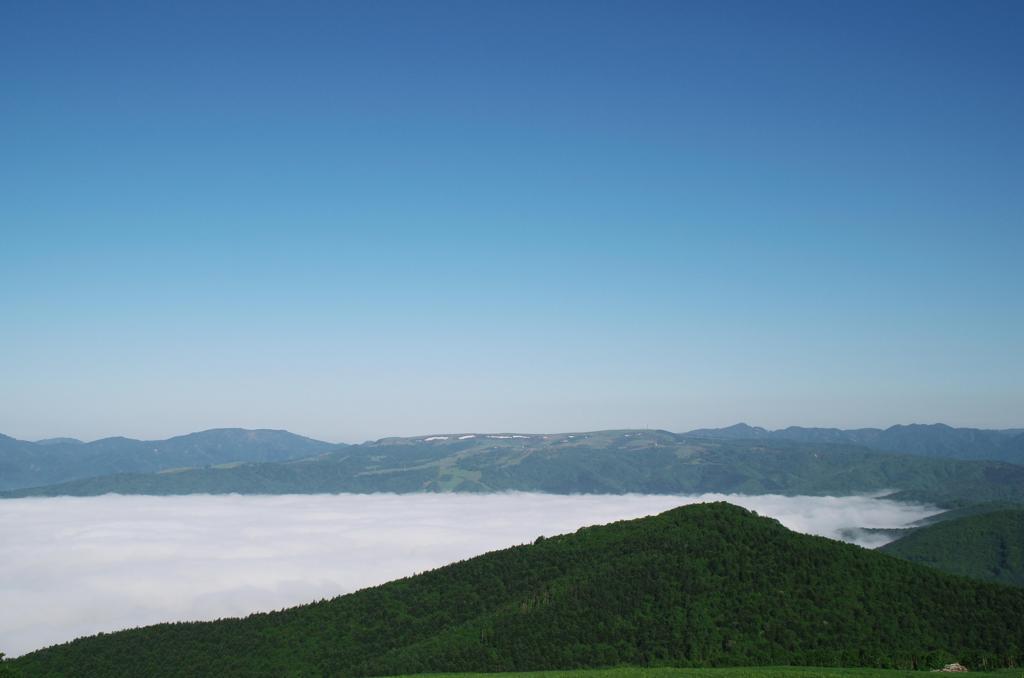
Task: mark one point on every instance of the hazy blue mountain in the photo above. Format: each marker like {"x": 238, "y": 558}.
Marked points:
{"x": 26, "y": 464}
{"x": 700, "y": 585}
{"x": 598, "y": 462}
{"x": 59, "y": 441}
{"x": 934, "y": 440}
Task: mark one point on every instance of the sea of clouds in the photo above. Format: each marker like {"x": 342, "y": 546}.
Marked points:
{"x": 74, "y": 566}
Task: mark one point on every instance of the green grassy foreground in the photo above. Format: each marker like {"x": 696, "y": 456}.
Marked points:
{"x": 736, "y": 672}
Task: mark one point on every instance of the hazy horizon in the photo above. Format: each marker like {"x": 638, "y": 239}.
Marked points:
{"x": 492, "y": 432}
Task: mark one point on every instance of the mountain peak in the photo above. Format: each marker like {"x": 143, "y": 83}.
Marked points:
{"x": 59, "y": 441}
{"x": 938, "y": 426}
{"x": 743, "y": 426}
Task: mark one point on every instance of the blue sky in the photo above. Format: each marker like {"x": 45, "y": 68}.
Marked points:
{"x": 354, "y": 220}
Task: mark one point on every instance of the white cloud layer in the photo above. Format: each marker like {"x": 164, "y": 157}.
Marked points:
{"x": 73, "y": 566}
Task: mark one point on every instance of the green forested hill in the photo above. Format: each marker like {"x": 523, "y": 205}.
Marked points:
{"x": 601, "y": 462}
{"x": 966, "y": 511}
{"x": 986, "y": 546}
{"x": 701, "y": 585}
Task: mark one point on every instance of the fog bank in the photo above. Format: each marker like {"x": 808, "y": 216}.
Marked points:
{"x": 75, "y": 566}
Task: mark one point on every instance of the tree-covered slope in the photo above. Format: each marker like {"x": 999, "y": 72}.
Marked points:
{"x": 601, "y": 462}
{"x": 965, "y": 511}
{"x": 700, "y": 585}
{"x": 987, "y": 546}
{"x": 26, "y": 464}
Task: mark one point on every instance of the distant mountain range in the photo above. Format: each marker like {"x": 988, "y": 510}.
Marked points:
{"x": 700, "y": 585}
{"x": 644, "y": 461}
{"x": 931, "y": 440}
{"x": 55, "y": 460}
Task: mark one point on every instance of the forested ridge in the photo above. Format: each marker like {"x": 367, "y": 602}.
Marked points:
{"x": 604, "y": 462}
{"x": 700, "y": 585}
{"x": 985, "y": 546}
{"x": 25, "y": 464}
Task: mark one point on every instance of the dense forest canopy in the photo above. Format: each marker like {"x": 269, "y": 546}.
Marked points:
{"x": 986, "y": 546}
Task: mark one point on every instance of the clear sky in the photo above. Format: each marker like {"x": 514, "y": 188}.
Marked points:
{"x": 353, "y": 220}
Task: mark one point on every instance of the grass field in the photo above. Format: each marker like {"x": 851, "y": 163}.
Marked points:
{"x": 739, "y": 672}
